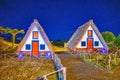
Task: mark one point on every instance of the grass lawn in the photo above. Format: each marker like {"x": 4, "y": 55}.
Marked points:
{"x": 13, "y": 69}
{"x": 58, "y": 49}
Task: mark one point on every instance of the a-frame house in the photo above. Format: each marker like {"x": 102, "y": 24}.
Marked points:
{"x": 35, "y": 41}
{"x": 88, "y": 38}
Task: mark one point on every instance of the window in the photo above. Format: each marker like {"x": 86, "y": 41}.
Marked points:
{"x": 28, "y": 46}
{"x": 96, "y": 43}
{"x": 89, "y": 33}
{"x": 83, "y": 43}
{"x": 35, "y": 35}
{"x": 42, "y": 46}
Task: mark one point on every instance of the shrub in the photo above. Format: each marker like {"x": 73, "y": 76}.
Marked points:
{"x": 6, "y": 47}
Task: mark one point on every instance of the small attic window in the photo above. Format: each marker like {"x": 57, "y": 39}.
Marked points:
{"x": 90, "y": 33}
{"x": 35, "y": 34}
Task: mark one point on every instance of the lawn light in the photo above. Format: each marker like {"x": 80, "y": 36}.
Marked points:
{"x": 77, "y": 52}
{"x": 49, "y": 55}
{"x": 20, "y": 55}
{"x": 104, "y": 50}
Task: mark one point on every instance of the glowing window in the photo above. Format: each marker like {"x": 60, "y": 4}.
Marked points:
{"x": 35, "y": 35}
{"x": 89, "y": 33}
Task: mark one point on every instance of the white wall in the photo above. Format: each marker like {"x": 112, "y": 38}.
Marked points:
{"x": 95, "y": 38}
{"x": 30, "y": 38}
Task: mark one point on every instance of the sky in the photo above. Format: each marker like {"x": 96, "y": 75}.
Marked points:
{"x": 60, "y": 18}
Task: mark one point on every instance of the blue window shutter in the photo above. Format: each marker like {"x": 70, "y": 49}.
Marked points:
{"x": 42, "y": 46}
{"x": 28, "y": 46}
{"x": 83, "y": 43}
{"x": 96, "y": 43}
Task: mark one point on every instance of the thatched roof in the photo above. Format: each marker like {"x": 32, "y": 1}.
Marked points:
{"x": 77, "y": 36}
{"x": 43, "y": 34}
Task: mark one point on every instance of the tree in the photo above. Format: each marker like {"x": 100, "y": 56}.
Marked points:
{"x": 117, "y": 41}
{"x": 6, "y": 30}
{"x": 109, "y": 37}
{"x": 13, "y": 32}
{"x": 117, "y": 44}
{"x": 1, "y": 29}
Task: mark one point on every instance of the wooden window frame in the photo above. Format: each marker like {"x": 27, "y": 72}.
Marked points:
{"x": 90, "y": 33}
{"x": 35, "y": 34}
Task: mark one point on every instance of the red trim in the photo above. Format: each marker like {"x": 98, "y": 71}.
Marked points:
{"x": 95, "y": 49}
{"x": 85, "y": 49}
{"x": 28, "y": 52}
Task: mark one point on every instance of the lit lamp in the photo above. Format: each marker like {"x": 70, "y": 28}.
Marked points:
{"x": 20, "y": 55}
{"x": 49, "y": 55}
{"x": 104, "y": 50}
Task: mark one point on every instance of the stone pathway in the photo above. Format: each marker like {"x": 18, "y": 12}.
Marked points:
{"x": 78, "y": 70}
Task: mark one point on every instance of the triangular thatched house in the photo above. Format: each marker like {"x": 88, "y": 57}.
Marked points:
{"x": 35, "y": 41}
{"x": 87, "y": 37}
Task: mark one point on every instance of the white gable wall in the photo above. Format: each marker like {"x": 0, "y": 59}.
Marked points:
{"x": 95, "y": 38}
{"x": 30, "y": 38}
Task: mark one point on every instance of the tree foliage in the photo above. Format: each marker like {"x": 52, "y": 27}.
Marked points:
{"x": 109, "y": 37}
{"x": 117, "y": 41}
{"x": 13, "y": 32}
{"x": 1, "y": 29}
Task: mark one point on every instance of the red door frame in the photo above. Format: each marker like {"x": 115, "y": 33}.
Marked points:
{"x": 90, "y": 44}
{"x": 35, "y": 48}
